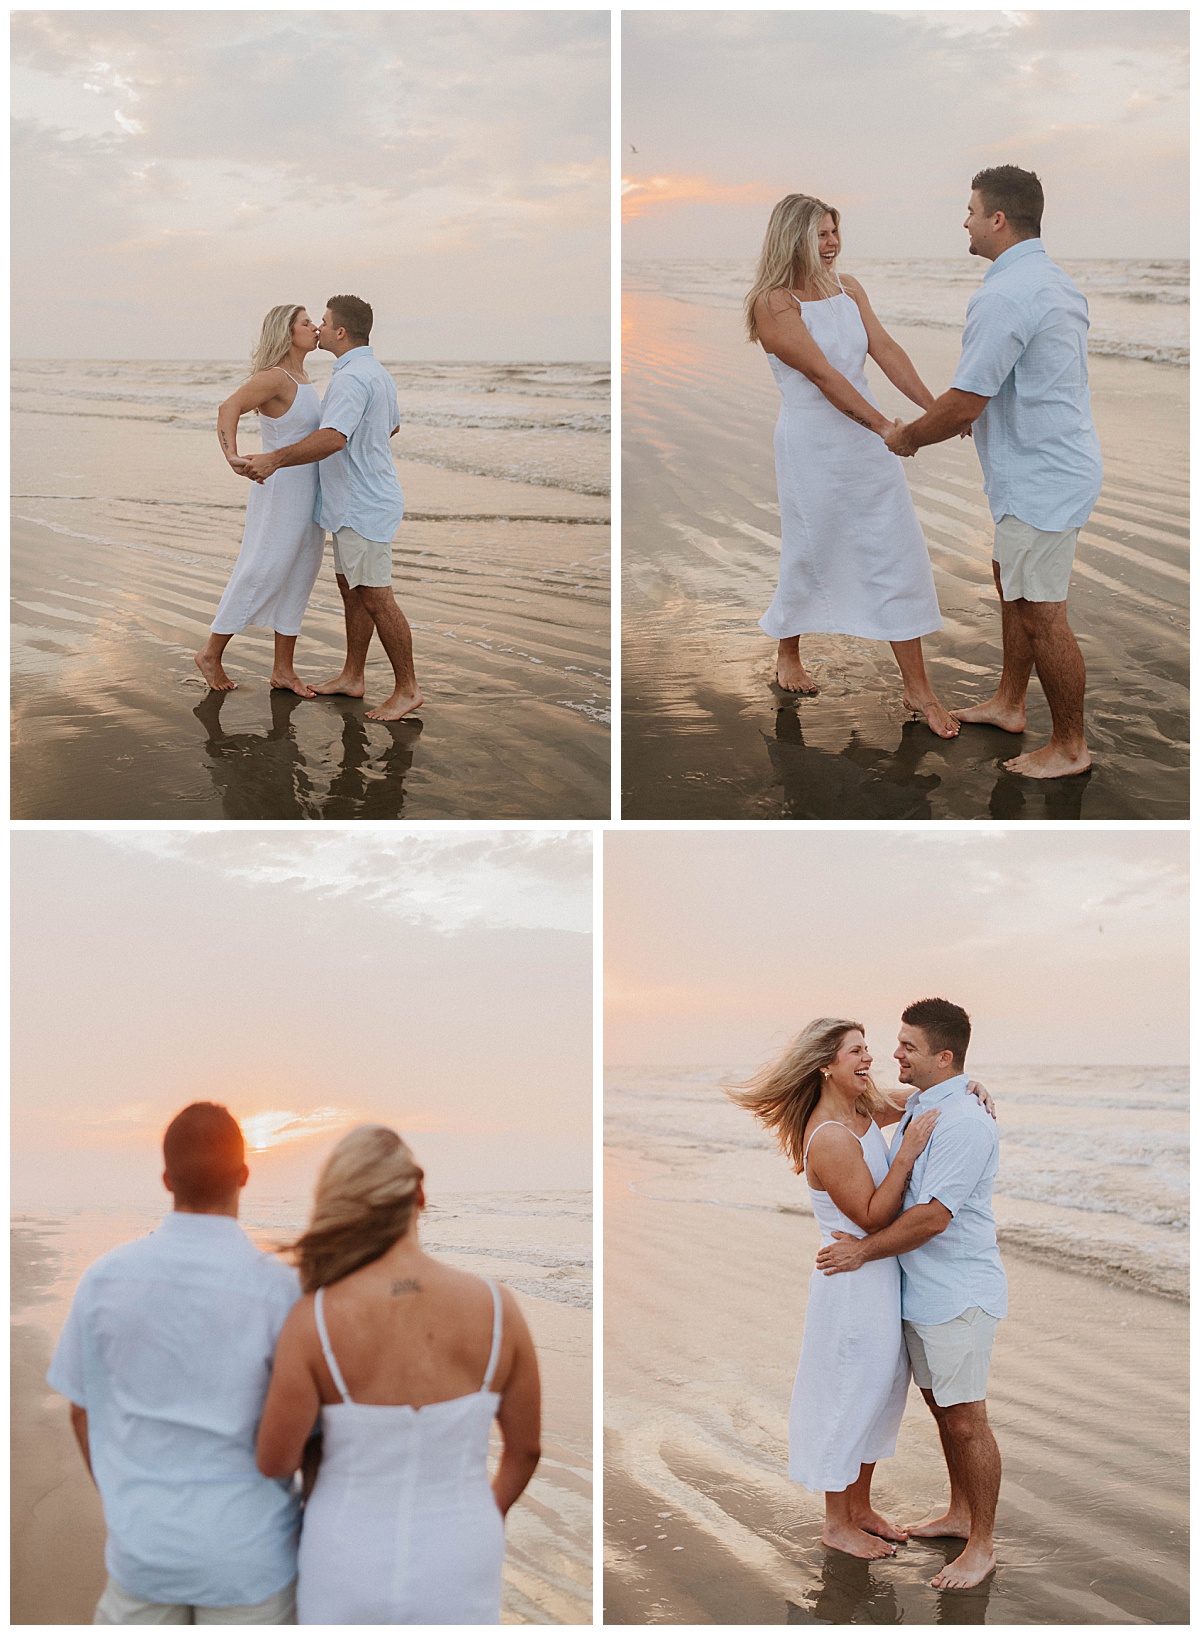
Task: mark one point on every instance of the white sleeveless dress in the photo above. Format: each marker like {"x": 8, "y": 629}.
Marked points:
{"x": 852, "y": 1382}
{"x": 282, "y": 546}
{"x": 402, "y": 1527}
{"x": 853, "y": 560}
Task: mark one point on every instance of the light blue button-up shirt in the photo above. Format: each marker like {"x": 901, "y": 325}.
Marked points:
{"x": 961, "y": 1267}
{"x": 168, "y": 1347}
{"x": 359, "y": 486}
{"x": 1025, "y": 349}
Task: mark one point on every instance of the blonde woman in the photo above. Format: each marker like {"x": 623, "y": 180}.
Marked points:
{"x": 853, "y": 559}
{"x": 406, "y": 1361}
{"x": 282, "y": 546}
{"x": 852, "y": 1382}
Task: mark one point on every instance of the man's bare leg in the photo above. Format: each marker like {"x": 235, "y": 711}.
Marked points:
{"x": 919, "y": 696}
{"x": 360, "y": 627}
{"x": 955, "y": 1520}
{"x": 283, "y": 671}
{"x": 394, "y": 633}
{"x": 842, "y": 1532}
{"x": 1006, "y": 707}
{"x": 789, "y": 672}
{"x": 863, "y": 1513}
{"x": 208, "y": 662}
{"x": 1063, "y": 675}
{"x": 975, "y": 1459}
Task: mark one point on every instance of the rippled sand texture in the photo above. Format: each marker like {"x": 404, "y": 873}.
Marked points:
{"x": 126, "y": 526}
{"x": 704, "y": 1312}
{"x": 706, "y": 736}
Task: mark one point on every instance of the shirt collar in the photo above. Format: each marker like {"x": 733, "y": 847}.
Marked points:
{"x": 357, "y": 351}
{"x": 180, "y": 1220}
{"x": 1016, "y": 252}
{"x": 939, "y": 1093}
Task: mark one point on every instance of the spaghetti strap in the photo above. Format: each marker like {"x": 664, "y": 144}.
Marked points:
{"x": 323, "y": 1332}
{"x": 821, "y": 1126}
{"x": 496, "y": 1335}
{"x": 288, "y": 373}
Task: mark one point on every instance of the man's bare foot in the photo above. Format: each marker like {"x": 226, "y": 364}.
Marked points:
{"x": 348, "y": 686}
{"x": 213, "y": 672}
{"x": 852, "y": 1541}
{"x": 1050, "y": 762}
{"x": 993, "y": 714}
{"x": 397, "y": 706}
{"x": 872, "y": 1522}
{"x": 947, "y": 1525}
{"x": 967, "y": 1570}
{"x": 940, "y": 720}
{"x": 791, "y": 675}
{"x": 291, "y": 682}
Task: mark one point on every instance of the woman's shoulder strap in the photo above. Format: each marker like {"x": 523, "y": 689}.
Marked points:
{"x": 497, "y": 1332}
{"x": 326, "y": 1348}
{"x": 821, "y": 1126}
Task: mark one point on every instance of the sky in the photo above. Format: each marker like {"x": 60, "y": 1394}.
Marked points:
{"x": 176, "y": 174}
{"x": 1067, "y": 948}
{"x": 440, "y": 984}
{"x": 888, "y": 114}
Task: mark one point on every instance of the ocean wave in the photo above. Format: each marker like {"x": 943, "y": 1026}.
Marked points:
{"x": 1110, "y": 1259}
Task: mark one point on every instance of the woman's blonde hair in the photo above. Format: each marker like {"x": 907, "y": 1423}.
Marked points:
{"x": 363, "y": 1202}
{"x": 782, "y": 1094}
{"x": 791, "y": 253}
{"x": 275, "y": 342}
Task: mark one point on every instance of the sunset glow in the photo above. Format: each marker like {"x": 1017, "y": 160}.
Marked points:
{"x": 273, "y": 1129}
{"x": 642, "y": 194}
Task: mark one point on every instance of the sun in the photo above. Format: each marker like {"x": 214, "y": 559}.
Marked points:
{"x": 273, "y": 1129}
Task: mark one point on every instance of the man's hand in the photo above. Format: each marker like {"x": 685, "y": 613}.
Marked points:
{"x": 847, "y": 1255}
{"x": 899, "y": 440}
{"x": 261, "y": 466}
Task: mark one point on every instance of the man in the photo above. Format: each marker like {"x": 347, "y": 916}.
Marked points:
{"x": 166, "y": 1357}
{"x": 1022, "y": 380}
{"x": 952, "y": 1286}
{"x": 359, "y": 501}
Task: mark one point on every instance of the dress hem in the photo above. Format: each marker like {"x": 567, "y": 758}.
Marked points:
{"x": 859, "y": 635}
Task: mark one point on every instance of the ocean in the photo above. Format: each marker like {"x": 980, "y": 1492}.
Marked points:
{"x": 1138, "y": 309}
{"x": 1093, "y": 1160}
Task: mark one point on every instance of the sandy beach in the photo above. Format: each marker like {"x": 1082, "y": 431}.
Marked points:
{"x": 124, "y": 534}
{"x": 704, "y": 1314}
{"x": 705, "y": 735}
{"x": 548, "y": 1563}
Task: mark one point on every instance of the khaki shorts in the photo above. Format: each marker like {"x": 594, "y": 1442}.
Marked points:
{"x": 951, "y": 1359}
{"x": 117, "y": 1606}
{"x": 362, "y": 561}
{"x": 1035, "y": 566}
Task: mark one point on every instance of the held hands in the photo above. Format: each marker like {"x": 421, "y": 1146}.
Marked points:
{"x": 899, "y": 440}
{"x": 258, "y": 467}
{"x": 846, "y": 1255}
{"x": 974, "y": 1088}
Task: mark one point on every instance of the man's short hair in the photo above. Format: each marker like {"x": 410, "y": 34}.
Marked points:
{"x": 1017, "y": 192}
{"x": 352, "y": 315}
{"x": 945, "y": 1026}
{"x": 203, "y": 1152}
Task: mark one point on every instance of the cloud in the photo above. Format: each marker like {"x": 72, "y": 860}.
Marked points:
{"x": 640, "y": 195}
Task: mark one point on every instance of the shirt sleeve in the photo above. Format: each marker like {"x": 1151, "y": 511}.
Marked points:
{"x": 996, "y": 333}
{"x": 345, "y": 404}
{"x": 66, "y": 1373}
{"x": 958, "y": 1158}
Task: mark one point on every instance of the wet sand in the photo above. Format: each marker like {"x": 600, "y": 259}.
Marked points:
{"x": 547, "y": 1574}
{"x": 706, "y": 735}
{"x": 704, "y": 1317}
{"x": 119, "y": 560}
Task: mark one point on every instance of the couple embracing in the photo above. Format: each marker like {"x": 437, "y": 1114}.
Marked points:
{"x": 225, "y": 1405}
{"x": 908, "y": 1279}
{"x": 325, "y": 465}
{"x": 854, "y": 560}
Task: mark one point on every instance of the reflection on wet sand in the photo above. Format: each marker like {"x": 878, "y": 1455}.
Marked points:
{"x": 858, "y": 1592}
{"x": 266, "y": 775}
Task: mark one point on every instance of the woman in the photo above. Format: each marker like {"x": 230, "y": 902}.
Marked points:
{"x": 407, "y": 1361}
{"x": 854, "y": 560}
{"x": 282, "y": 546}
{"x": 852, "y": 1381}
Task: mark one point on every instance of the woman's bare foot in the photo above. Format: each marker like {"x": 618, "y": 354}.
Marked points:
{"x": 940, "y": 720}
{"x": 993, "y": 714}
{"x": 291, "y": 682}
{"x": 791, "y": 675}
{"x": 852, "y": 1541}
{"x": 397, "y": 706}
{"x": 966, "y": 1570}
{"x": 348, "y": 686}
{"x": 947, "y": 1525}
{"x": 1051, "y": 761}
{"x": 870, "y": 1521}
{"x": 213, "y": 672}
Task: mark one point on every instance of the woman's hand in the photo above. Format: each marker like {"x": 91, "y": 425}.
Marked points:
{"x": 974, "y": 1088}
{"x": 237, "y": 462}
{"x": 916, "y": 1137}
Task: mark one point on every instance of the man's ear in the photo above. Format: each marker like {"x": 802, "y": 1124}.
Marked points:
{"x": 167, "y": 1181}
